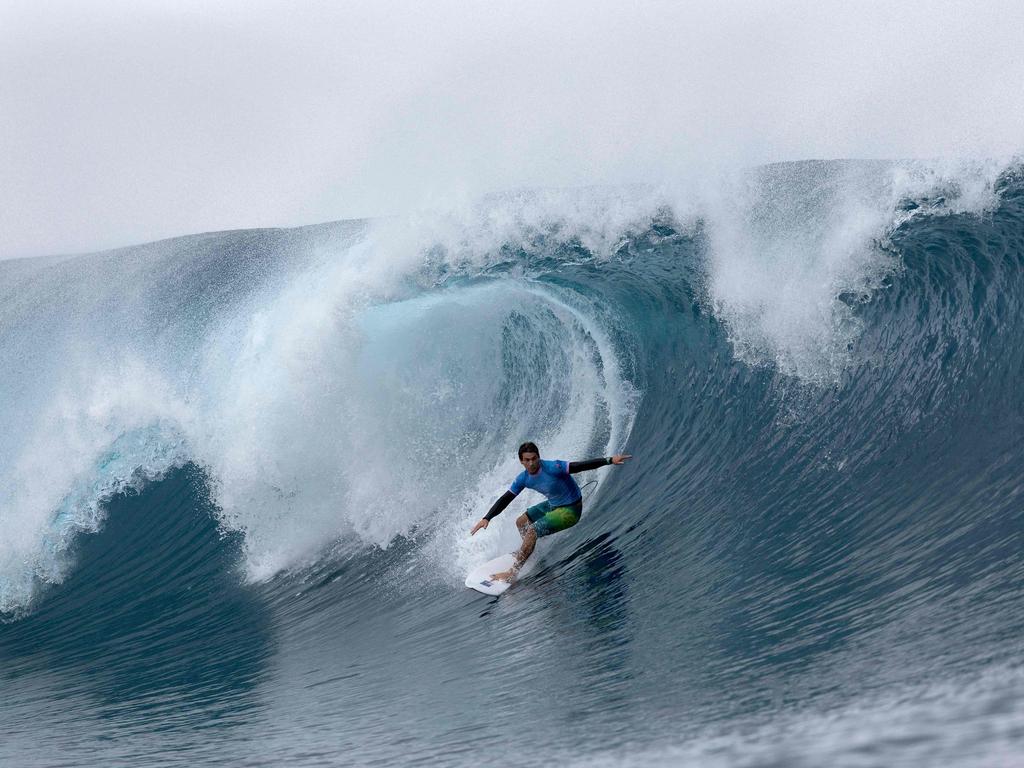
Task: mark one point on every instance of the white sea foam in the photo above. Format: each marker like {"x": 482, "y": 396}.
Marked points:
{"x": 394, "y": 417}
{"x": 792, "y": 245}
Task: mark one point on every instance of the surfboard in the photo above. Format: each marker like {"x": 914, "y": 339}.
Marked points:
{"x": 480, "y": 577}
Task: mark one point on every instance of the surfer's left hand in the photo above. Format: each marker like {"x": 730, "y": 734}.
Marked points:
{"x": 482, "y": 524}
{"x": 621, "y": 458}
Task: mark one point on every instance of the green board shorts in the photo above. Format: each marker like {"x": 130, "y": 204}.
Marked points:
{"x": 547, "y": 520}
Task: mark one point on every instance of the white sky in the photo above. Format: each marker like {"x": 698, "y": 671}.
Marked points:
{"x": 123, "y": 122}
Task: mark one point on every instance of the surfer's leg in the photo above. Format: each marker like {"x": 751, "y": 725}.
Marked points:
{"x": 529, "y": 542}
{"x": 530, "y": 532}
{"x": 525, "y": 525}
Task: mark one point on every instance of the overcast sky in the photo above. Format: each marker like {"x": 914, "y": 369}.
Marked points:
{"x": 123, "y": 122}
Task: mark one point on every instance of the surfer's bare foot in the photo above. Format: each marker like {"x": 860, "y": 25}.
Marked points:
{"x": 504, "y": 576}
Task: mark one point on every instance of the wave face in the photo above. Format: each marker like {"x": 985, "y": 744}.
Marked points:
{"x": 237, "y": 472}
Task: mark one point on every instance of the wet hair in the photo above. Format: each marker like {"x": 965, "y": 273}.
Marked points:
{"x": 528, "y": 447}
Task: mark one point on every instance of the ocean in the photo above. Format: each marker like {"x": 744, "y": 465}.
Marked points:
{"x": 238, "y": 472}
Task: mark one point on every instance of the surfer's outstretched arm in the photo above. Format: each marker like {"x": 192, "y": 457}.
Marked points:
{"x": 583, "y": 466}
{"x": 496, "y": 509}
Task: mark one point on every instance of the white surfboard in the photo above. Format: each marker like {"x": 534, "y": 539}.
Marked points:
{"x": 480, "y": 577}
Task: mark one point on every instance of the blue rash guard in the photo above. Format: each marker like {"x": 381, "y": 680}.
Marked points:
{"x": 553, "y": 480}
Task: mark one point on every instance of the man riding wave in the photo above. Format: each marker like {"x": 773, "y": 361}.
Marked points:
{"x": 560, "y": 510}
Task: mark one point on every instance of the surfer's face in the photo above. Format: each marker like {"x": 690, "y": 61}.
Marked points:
{"x": 531, "y": 461}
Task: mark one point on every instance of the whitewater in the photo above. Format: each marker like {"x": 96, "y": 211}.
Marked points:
{"x": 238, "y": 472}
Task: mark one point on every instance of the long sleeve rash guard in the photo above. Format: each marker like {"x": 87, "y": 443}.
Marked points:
{"x": 574, "y": 466}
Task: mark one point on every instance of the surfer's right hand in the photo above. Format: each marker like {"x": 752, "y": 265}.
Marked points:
{"x": 484, "y": 522}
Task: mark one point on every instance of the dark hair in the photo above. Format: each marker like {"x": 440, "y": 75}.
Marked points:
{"x": 528, "y": 447}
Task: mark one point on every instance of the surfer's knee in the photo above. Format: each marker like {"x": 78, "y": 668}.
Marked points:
{"x": 521, "y": 522}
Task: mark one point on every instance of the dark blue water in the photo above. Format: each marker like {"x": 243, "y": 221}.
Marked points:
{"x": 251, "y": 544}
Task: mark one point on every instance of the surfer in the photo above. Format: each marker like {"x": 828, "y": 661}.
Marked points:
{"x": 560, "y": 510}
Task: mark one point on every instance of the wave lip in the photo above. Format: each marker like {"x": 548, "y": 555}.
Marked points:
{"x": 153, "y": 620}
{"x": 83, "y": 453}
